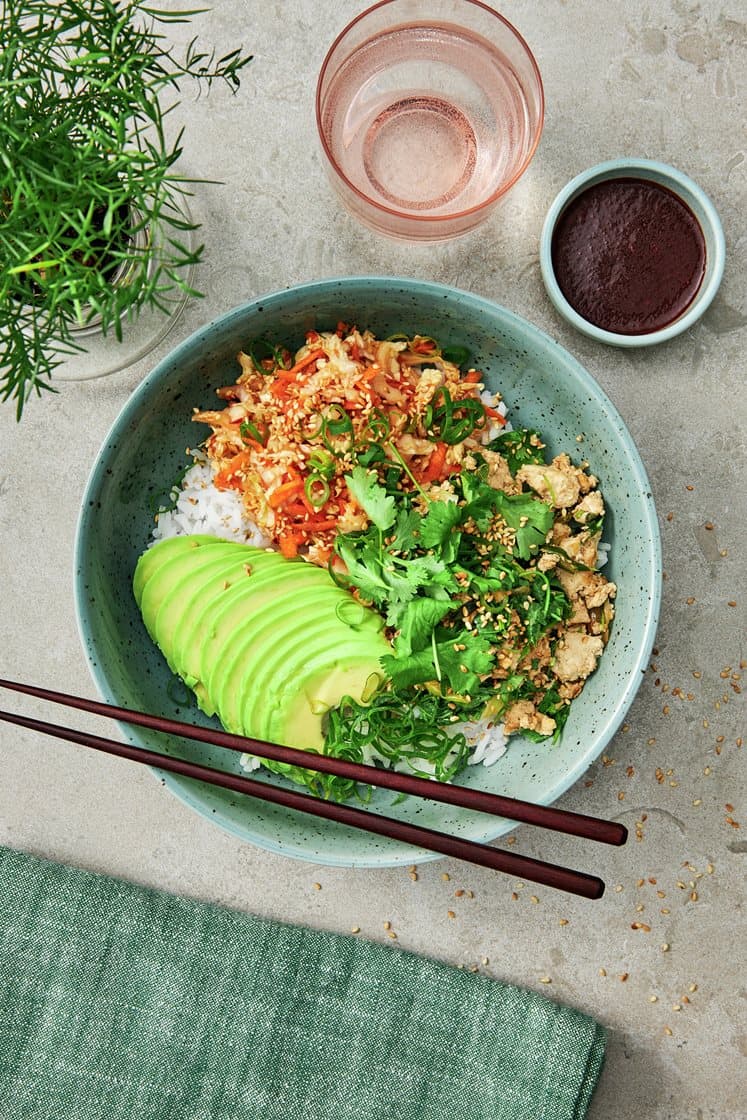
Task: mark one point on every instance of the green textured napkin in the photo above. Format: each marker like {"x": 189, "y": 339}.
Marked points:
{"x": 123, "y": 1002}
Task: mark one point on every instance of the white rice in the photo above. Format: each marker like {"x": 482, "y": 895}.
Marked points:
{"x": 200, "y": 507}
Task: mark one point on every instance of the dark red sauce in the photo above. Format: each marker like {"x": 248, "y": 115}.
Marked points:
{"x": 629, "y": 255}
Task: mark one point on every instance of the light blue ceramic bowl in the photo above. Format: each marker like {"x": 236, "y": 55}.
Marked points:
{"x": 145, "y": 452}
{"x": 690, "y": 193}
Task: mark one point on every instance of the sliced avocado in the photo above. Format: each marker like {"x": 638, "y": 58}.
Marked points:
{"x": 289, "y": 721}
{"x": 158, "y": 553}
{"x": 265, "y": 641}
{"x": 294, "y": 580}
{"x": 300, "y": 655}
{"x": 179, "y": 569}
{"x": 279, "y": 643}
{"x": 202, "y": 592}
{"x": 247, "y": 647}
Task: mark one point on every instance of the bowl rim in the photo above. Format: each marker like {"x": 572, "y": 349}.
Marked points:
{"x": 652, "y": 557}
{"x": 690, "y": 193}
{"x": 413, "y": 216}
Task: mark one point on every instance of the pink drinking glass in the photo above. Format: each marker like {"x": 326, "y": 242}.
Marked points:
{"x": 428, "y": 112}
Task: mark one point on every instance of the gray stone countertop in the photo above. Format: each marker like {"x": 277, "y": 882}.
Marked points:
{"x": 662, "y": 79}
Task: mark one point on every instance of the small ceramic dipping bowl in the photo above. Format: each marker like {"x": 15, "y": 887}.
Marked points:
{"x": 632, "y": 252}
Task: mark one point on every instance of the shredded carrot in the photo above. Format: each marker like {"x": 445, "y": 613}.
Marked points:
{"x": 436, "y": 462}
{"x": 312, "y": 526}
{"x": 495, "y": 415}
{"x": 286, "y": 490}
{"x": 473, "y": 377}
{"x": 291, "y": 374}
{"x": 289, "y": 543}
{"x": 228, "y": 478}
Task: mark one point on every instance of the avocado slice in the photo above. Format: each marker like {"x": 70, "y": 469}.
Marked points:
{"x": 246, "y": 648}
{"x": 294, "y": 580}
{"x": 309, "y": 646}
{"x": 181, "y": 616}
{"x": 288, "y": 720}
{"x": 175, "y": 570}
{"x": 158, "y": 553}
{"x": 270, "y": 652}
{"x": 302, "y": 639}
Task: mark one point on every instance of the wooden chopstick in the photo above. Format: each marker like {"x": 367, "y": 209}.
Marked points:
{"x": 537, "y": 871}
{"x": 542, "y": 816}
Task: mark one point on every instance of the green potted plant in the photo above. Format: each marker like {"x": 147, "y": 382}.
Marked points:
{"x": 87, "y": 172}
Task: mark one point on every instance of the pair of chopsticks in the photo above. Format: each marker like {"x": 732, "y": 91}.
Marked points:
{"x": 558, "y": 820}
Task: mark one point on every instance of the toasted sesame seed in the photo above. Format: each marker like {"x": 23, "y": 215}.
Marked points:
{"x": 392, "y": 935}
{"x": 668, "y": 1030}
{"x": 623, "y": 977}
{"x": 665, "y": 947}
{"x": 446, "y": 877}
{"x": 355, "y": 929}
{"x": 317, "y": 886}
{"x": 450, "y": 914}
{"x": 545, "y": 980}
{"x": 387, "y": 925}
{"x": 653, "y": 999}
{"x": 562, "y": 921}
{"x": 533, "y": 898}
{"x": 602, "y": 971}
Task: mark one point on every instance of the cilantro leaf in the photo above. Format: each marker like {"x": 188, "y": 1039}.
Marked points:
{"x": 438, "y": 523}
{"x": 364, "y": 568}
{"x": 418, "y": 621}
{"x": 531, "y": 518}
{"x": 371, "y": 497}
{"x": 463, "y": 667}
{"x": 459, "y": 668}
{"x": 405, "y": 528}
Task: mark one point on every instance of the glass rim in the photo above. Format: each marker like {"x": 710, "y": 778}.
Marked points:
{"x": 413, "y": 216}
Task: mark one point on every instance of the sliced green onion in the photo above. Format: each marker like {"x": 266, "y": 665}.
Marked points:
{"x": 378, "y": 424}
{"x": 260, "y": 350}
{"x": 316, "y": 490}
{"x": 351, "y": 613}
{"x": 249, "y": 430}
{"x": 337, "y": 421}
{"x": 321, "y": 462}
{"x": 457, "y": 355}
{"x": 318, "y": 420}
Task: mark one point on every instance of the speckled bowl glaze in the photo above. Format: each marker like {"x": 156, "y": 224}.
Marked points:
{"x": 145, "y": 453}
{"x": 690, "y": 193}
